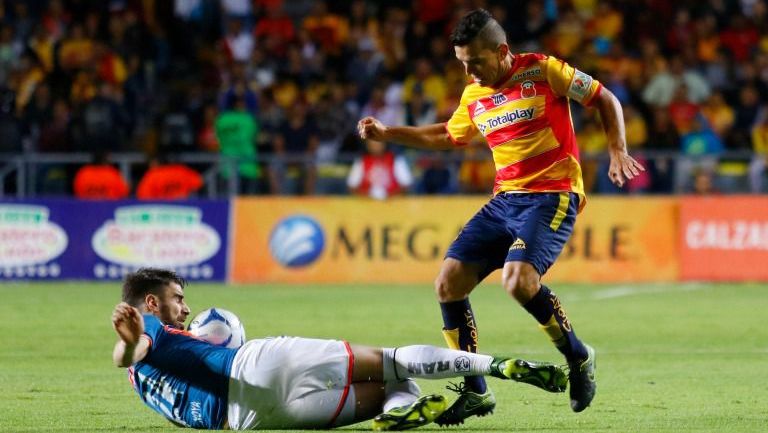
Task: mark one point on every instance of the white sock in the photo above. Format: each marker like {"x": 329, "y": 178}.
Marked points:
{"x": 399, "y": 393}
{"x": 430, "y": 362}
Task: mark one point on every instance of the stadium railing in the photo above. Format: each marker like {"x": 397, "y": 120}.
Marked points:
{"x": 22, "y": 174}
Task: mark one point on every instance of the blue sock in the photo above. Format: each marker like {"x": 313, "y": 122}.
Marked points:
{"x": 460, "y": 332}
{"x": 549, "y": 312}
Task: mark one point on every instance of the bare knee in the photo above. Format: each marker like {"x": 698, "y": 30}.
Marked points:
{"x": 455, "y": 280}
{"x": 521, "y": 281}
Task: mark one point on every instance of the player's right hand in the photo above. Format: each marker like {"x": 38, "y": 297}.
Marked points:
{"x": 370, "y": 127}
{"x": 128, "y": 323}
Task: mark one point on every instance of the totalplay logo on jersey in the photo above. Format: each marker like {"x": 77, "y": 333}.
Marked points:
{"x": 493, "y": 123}
{"x": 156, "y": 235}
{"x": 296, "y": 241}
{"x": 28, "y": 240}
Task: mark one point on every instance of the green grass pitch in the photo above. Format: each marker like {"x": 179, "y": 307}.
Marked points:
{"x": 671, "y": 358}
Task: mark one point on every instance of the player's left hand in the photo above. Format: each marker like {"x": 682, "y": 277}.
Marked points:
{"x": 623, "y": 168}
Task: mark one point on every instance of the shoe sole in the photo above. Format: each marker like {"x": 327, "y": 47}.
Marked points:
{"x": 545, "y": 376}
{"x": 429, "y": 407}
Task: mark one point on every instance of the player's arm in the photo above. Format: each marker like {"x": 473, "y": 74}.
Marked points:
{"x": 429, "y": 137}
{"x": 129, "y": 326}
{"x": 622, "y": 167}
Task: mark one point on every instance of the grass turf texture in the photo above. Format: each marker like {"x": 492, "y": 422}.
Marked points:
{"x": 671, "y": 358}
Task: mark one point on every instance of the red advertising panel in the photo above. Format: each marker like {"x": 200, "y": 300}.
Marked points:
{"x": 724, "y": 238}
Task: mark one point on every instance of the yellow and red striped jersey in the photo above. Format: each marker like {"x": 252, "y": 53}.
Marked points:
{"x": 526, "y": 121}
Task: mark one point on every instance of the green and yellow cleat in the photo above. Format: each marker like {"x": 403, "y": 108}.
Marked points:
{"x": 421, "y": 412}
{"x": 544, "y": 375}
{"x": 468, "y": 404}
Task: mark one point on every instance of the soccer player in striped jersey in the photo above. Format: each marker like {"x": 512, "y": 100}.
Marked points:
{"x": 283, "y": 382}
{"x": 519, "y": 104}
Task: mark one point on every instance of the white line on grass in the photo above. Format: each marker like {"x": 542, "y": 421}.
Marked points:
{"x": 622, "y": 291}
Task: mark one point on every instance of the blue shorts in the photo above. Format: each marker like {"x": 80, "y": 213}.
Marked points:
{"x": 526, "y": 227}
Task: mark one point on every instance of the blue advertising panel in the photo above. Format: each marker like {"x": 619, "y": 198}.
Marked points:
{"x": 77, "y": 239}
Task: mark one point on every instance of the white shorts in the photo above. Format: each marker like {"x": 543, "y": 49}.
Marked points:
{"x": 290, "y": 382}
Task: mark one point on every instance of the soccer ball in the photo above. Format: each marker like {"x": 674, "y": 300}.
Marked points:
{"x": 219, "y": 327}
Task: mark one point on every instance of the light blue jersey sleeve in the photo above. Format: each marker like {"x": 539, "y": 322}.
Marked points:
{"x": 184, "y": 379}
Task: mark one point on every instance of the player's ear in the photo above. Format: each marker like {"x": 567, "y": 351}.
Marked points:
{"x": 152, "y": 302}
{"x": 502, "y": 51}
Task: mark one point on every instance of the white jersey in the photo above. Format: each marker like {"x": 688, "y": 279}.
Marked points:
{"x": 291, "y": 382}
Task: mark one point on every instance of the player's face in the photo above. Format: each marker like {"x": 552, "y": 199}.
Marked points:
{"x": 480, "y": 62}
{"x": 172, "y": 310}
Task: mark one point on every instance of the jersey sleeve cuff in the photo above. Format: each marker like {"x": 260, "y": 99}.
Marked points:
{"x": 591, "y": 101}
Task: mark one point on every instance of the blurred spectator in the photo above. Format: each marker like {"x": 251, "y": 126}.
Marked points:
{"x": 56, "y": 133}
{"x": 382, "y": 108}
{"x": 606, "y": 25}
{"x": 164, "y": 181}
{"x": 328, "y": 30}
{"x": 31, "y": 74}
{"x": 663, "y": 137}
{"x": 10, "y": 126}
{"x": 42, "y": 44}
{"x": 10, "y": 51}
{"x": 237, "y": 133}
{"x": 238, "y": 42}
{"x": 104, "y": 122}
{"x": 430, "y": 86}
{"x": 206, "y": 135}
{"x": 76, "y": 50}
{"x": 241, "y": 9}
{"x": 437, "y": 177}
{"x": 365, "y": 67}
{"x": 379, "y": 173}
{"x": 719, "y": 115}
{"x": 100, "y": 181}
{"x": 176, "y": 132}
{"x": 293, "y": 168}
{"x": 567, "y": 35}
{"x": 239, "y": 88}
{"x": 419, "y": 110}
{"x": 747, "y": 112}
{"x": 477, "y": 172}
{"x": 740, "y": 38}
{"x": 666, "y": 81}
{"x": 703, "y": 182}
{"x": 700, "y": 148}
{"x": 336, "y": 120}
{"x": 275, "y": 30}
{"x": 682, "y": 111}
{"x": 760, "y": 158}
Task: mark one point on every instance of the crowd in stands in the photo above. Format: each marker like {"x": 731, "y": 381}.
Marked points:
{"x": 280, "y": 84}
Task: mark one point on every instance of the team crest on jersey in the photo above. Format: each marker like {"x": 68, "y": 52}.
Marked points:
{"x": 498, "y": 99}
{"x": 527, "y": 89}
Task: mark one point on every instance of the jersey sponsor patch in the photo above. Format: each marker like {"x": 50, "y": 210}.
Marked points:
{"x": 580, "y": 86}
{"x": 493, "y": 123}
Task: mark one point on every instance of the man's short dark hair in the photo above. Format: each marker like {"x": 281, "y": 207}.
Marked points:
{"x": 137, "y": 285}
{"x": 478, "y": 24}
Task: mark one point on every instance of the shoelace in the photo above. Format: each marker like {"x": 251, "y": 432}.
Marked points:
{"x": 460, "y": 388}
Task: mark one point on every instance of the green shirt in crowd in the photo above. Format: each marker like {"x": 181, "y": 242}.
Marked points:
{"x": 236, "y": 131}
